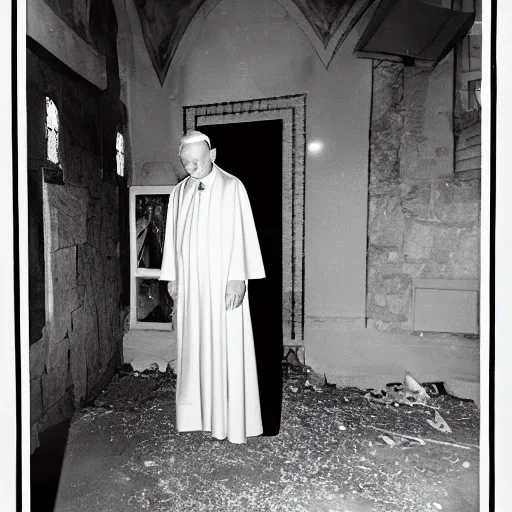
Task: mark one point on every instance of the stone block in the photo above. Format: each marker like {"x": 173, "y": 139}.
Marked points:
{"x": 380, "y": 299}
{"x": 458, "y": 202}
{"x": 36, "y": 399}
{"x": 466, "y": 191}
{"x": 77, "y": 160}
{"x": 384, "y": 314}
{"x": 419, "y": 242}
{"x": 441, "y": 257}
{"x": 377, "y": 255}
{"x": 465, "y": 260}
{"x": 399, "y": 305}
{"x": 434, "y": 270}
{"x": 413, "y": 269}
{"x": 38, "y": 354}
{"x": 394, "y": 284}
{"x": 387, "y": 223}
{"x": 98, "y": 273}
{"x": 394, "y": 256}
{"x": 61, "y": 410}
{"x": 68, "y": 214}
{"x": 102, "y": 221}
{"x": 64, "y": 292}
{"x": 388, "y": 79}
{"x": 86, "y": 341}
{"x": 446, "y": 239}
{"x": 413, "y": 251}
{"x": 372, "y": 277}
{"x": 415, "y": 200}
{"x": 390, "y": 269}
{"x": 427, "y": 151}
{"x": 55, "y": 379}
{"x": 384, "y": 165}
{"x": 82, "y": 331}
{"x": 34, "y": 439}
{"x": 460, "y": 214}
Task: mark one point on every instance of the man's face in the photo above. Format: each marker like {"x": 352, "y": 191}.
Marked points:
{"x": 197, "y": 159}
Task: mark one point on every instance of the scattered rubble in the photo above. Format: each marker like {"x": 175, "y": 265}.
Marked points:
{"x": 336, "y": 450}
{"x": 409, "y": 393}
{"x": 440, "y": 424}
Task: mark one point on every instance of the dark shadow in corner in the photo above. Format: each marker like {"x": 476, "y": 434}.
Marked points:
{"x": 46, "y": 465}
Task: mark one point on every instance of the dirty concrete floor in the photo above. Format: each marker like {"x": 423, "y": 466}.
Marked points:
{"x": 123, "y": 454}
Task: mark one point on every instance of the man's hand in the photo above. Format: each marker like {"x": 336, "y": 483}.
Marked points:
{"x": 172, "y": 289}
{"x": 235, "y": 293}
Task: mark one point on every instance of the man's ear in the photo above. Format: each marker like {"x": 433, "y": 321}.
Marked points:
{"x": 213, "y": 154}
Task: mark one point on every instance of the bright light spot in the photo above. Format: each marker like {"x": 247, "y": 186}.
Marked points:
{"x": 315, "y": 146}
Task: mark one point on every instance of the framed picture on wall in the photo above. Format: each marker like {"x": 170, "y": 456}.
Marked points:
{"x": 151, "y": 307}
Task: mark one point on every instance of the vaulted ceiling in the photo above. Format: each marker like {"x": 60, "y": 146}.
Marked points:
{"x": 326, "y": 23}
{"x": 325, "y": 16}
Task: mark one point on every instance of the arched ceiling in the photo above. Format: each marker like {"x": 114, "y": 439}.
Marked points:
{"x": 326, "y": 23}
{"x": 163, "y": 24}
{"x": 325, "y": 16}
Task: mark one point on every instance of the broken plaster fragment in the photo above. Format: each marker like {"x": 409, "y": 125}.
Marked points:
{"x": 388, "y": 440}
{"x": 439, "y": 424}
{"x": 413, "y": 388}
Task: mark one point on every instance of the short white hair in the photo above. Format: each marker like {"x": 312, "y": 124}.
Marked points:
{"x": 193, "y": 136}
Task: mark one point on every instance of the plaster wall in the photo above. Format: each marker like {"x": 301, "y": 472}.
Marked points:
{"x": 245, "y": 50}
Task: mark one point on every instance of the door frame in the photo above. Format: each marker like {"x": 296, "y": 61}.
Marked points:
{"x": 292, "y": 111}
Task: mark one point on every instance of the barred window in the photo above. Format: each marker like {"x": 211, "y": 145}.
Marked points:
{"x": 52, "y": 132}
{"x": 120, "y": 153}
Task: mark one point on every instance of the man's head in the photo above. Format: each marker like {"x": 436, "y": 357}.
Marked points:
{"x": 196, "y": 154}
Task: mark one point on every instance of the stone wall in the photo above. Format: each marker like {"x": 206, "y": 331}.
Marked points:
{"x": 76, "y": 352}
{"x": 423, "y": 220}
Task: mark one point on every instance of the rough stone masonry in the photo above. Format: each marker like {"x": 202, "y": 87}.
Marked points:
{"x": 424, "y": 220}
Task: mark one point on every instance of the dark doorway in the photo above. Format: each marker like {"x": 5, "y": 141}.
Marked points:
{"x": 253, "y": 152}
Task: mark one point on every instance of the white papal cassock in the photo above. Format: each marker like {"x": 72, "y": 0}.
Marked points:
{"x": 211, "y": 239}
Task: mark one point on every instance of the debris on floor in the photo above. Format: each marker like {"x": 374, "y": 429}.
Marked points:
{"x": 439, "y": 423}
{"x": 336, "y": 450}
{"x": 411, "y": 392}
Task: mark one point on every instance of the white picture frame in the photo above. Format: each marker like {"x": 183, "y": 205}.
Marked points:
{"x": 135, "y": 271}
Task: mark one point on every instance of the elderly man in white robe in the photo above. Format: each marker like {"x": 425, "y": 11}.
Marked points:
{"x": 211, "y": 250}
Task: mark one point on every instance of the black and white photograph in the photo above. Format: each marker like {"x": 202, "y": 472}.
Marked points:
{"x": 253, "y": 255}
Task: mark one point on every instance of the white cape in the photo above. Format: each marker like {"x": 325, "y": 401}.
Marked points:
{"x": 210, "y": 239}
